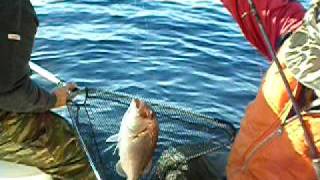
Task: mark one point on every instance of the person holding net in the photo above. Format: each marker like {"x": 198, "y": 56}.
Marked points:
{"x": 29, "y": 133}
{"x": 272, "y": 142}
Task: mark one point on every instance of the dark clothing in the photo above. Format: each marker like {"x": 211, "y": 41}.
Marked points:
{"x": 17, "y": 91}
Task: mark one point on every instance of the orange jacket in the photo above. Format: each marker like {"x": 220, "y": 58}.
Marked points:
{"x": 262, "y": 149}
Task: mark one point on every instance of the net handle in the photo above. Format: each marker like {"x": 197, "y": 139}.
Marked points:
{"x": 46, "y": 74}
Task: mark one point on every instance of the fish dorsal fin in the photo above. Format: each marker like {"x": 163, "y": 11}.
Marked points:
{"x": 119, "y": 170}
{"x": 148, "y": 168}
{"x": 113, "y": 139}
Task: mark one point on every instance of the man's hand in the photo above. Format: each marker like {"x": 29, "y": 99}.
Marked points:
{"x": 63, "y": 93}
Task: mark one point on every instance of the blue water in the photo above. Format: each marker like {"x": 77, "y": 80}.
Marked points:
{"x": 191, "y": 54}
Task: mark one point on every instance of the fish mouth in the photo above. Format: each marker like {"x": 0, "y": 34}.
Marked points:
{"x": 138, "y": 103}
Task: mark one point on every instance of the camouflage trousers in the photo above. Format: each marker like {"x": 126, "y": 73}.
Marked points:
{"x": 43, "y": 140}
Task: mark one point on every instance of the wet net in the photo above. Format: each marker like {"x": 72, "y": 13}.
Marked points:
{"x": 183, "y": 135}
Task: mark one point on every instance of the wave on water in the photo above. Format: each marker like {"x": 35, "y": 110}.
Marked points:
{"x": 44, "y": 2}
{"x": 193, "y": 3}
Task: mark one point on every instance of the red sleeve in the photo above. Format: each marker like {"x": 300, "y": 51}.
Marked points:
{"x": 278, "y": 17}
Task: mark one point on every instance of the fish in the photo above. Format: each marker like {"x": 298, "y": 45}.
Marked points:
{"x": 136, "y": 140}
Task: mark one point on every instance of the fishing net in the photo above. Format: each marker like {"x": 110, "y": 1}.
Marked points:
{"x": 184, "y": 135}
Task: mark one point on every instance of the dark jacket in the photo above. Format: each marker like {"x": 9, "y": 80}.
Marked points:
{"x": 18, "y": 93}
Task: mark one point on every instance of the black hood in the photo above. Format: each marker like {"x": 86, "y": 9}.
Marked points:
{"x": 16, "y": 17}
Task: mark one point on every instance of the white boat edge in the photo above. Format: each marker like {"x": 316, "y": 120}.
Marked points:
{"x": 14, "y": 171}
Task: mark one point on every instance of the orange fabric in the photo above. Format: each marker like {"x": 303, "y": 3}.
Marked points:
{"x": 259, "y": 151}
